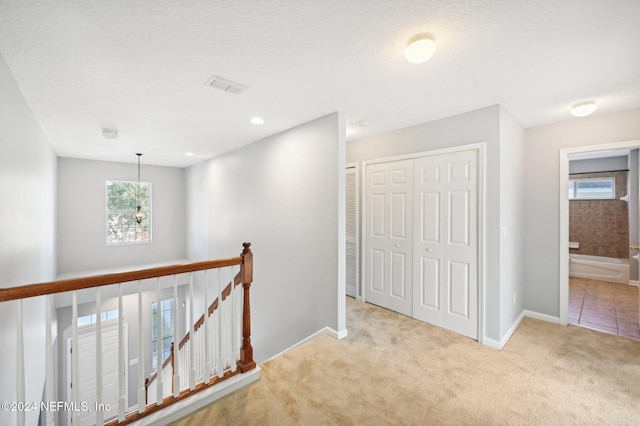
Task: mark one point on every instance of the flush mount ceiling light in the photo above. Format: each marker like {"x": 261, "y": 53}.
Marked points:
{"x": 257, "y": 120}
{"x": 110, "y": 133}
{"x": 582, "y": 109}
{"x": 420, "y": 48}
{"x": 189, "y": 154}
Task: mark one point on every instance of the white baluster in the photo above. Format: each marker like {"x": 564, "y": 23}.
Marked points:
{"x": 20, "y": 378}
{"x": 49, "y": 375}
{"x": 176, "y": 342}
{"x": 160, "y": 394}
{"x": 192, "y": 366}
{"x": 207, "y": 354}
{"x": 234, "y": 326}
{"x": 121, "y": 361}
{"x": 99, "y": 413}
{"x": 75, "y": 359}
{"x": 220, "y": 366}
{"x": 142, "y": 393}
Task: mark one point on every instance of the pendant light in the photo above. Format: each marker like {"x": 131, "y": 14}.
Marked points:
{"x": 138, "y": 216}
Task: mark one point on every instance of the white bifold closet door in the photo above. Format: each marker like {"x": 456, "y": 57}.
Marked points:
{"x": 422, "y": 237}
{"x": 390, "y": 234}
{"x": 445, "y": 268}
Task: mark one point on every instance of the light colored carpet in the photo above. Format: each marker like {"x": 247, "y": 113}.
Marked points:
{"x": 394, "y": 370}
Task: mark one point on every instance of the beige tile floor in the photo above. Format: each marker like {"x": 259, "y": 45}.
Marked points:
{"x": 605, "y": 306}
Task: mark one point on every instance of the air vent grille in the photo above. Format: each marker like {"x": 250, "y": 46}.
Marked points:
{"x": 223, "y": 84}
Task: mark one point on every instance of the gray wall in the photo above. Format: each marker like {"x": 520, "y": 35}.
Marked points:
{"x": 280, "y": 193}
{"x": 482, "y": 125}
{"x": 542, "y": 204}
{"x": 27, "y": 237}
{"x": 593, "y": 165}
{"x": 82, "y": 223}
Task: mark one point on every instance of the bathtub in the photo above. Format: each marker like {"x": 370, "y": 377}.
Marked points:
{"x": 599, "y": 268}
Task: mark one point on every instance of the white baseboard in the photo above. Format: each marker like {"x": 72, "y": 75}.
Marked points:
{"x": 495, "y": 344}
{"x": 327, "y": 331}
{"x": 543, "y": 317}
{"x": 188, "y": 405}
{"x": 634, "y": 283}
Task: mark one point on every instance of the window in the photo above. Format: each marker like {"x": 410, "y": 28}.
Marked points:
{"x": 91, "y": 319}
{"x": 592, "y": 189}
{"x": 166, "y": 314}
{"x": 122, "y": 199}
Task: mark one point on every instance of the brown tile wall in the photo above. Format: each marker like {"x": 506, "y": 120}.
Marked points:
{"x": 601, "y": 226}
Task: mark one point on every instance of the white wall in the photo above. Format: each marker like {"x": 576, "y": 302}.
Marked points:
{"x": 482, "y": 125}
{"x": 82, "y": 223}
{"x": 542, "y": 190}
{"x": 27, "y": 236}
{"x": 512, "y": 163}
{"x": 281, "y": 194}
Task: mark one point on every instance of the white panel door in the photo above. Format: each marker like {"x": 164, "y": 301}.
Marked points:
{"x": 388, "y": 260}
{"x": 445, "y": 268}
{"x": 87, "y": 371}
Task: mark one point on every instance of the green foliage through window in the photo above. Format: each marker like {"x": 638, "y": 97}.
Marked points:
{"x": 122, "y": 200}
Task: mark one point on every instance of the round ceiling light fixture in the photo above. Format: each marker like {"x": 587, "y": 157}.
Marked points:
{"x": 420, "y": 48}
{"x": 582, "y": 109}
{"x": 257, "y": 120}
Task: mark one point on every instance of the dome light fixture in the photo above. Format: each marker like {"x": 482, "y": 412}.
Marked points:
{"x": 420, "y": 48}
{"x": 257, "y": 120}
{"x": 582, "y": 109}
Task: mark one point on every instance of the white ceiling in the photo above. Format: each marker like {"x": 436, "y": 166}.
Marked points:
{"x": 140, "y": 66}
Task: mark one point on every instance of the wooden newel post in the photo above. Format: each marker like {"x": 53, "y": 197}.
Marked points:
{"x": 246, "y": 361}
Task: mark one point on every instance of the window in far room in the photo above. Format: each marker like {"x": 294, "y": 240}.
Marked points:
{"x": 592, "y": 189}
{"x": 166, "y": 317}
{"x": 122, "y": 199}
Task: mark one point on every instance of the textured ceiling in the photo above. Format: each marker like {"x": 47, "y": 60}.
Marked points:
{"x": 141, "y": 66}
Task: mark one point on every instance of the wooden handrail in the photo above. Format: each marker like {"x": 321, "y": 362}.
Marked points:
{"x": 61, "y": 286}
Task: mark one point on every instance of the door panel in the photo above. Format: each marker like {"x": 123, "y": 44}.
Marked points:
{"x": 447, "y": 272}
{"x": 390, "y": 207}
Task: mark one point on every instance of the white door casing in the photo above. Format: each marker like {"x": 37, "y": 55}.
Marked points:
{"x": 389, "y": 234}
{"x": 445, "y": 242}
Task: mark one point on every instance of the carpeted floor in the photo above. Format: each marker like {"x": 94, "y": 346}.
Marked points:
{"x": 393, "y": 370}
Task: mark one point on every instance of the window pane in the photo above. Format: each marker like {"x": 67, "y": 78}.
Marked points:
{"x": 572, "y": 189}
{"x": 121, "y": 201}
{"x": 594, "y": 189}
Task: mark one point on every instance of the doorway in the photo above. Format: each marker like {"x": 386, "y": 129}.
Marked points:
{"x": 87, "y": 369}
{"x": 585, "y": 299}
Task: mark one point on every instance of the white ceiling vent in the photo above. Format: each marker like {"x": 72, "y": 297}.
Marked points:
{"x": 227, "y": 85}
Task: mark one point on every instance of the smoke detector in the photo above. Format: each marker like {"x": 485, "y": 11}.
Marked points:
{"x": 225, "y": 85}
{"x": 110, "y": 133}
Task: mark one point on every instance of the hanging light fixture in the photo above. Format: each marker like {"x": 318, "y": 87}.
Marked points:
{"x": 139, "y": 215}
